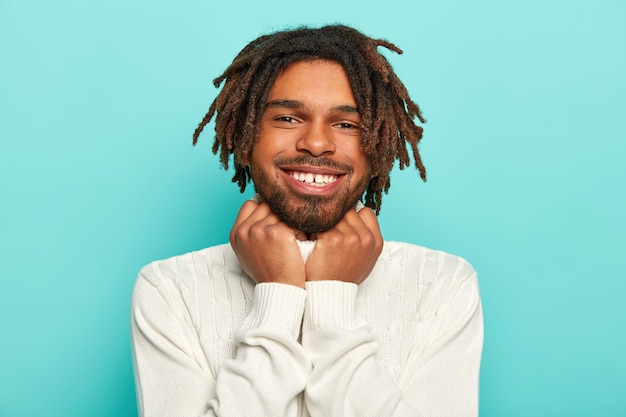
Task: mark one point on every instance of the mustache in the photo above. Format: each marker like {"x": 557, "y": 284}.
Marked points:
{"x": 312, "y": 161}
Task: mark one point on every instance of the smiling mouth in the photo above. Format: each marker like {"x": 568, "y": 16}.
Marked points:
{"x": 314, "y": 179}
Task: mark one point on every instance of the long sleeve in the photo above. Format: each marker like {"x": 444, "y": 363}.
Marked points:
{"x": 173, "y": 374}
{"x": 208, "y": 342}
{"x": 439, "y": 375}
{"x": 346, "y": 379}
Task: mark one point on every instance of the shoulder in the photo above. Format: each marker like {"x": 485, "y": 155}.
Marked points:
{"x": 429, "y": 264}
{"x": 182, "y": 270}
{"x": 444, "y": 287}
{"x": 183, "y": 279}
{"x": 438, "y": 280}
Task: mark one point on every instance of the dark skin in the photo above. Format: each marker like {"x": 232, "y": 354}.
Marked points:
{"x": 324, "y": 125}
{"x": 267, "y": 250}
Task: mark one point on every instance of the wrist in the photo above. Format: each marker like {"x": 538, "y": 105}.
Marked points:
{"x": 278, "y": 306}
{"x": 331, "y": 303}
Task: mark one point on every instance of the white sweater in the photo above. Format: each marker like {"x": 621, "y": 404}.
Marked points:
{"x": 407, "y": 342}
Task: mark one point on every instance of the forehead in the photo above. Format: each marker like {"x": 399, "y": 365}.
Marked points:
{"x": 313, "y": 80}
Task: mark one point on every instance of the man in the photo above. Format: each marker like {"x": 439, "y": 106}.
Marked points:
{"x": 308, "y": 312}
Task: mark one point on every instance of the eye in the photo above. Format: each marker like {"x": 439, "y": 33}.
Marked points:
{"x": 348, "y": 125}
{"x": 285, "y": 119}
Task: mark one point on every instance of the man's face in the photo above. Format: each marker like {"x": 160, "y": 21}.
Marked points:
{"x": 308, "y": 164}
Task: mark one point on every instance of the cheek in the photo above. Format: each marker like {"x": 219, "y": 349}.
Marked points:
{"x": 359, "y": 160}
{"x": 271, "y": 142}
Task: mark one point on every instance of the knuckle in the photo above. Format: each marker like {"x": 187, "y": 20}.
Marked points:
{"x": 274, "y": 232}
{"x": 240, "y": 233}
{"x": 236, "y": 234}
{"x": 352, "y": 239}
{"x": 256, "y": 232}
{"x": 368, "y": 240}
{"x": 335, "y": 239}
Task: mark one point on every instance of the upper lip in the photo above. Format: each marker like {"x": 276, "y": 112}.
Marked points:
{"x": 313, "y": 170}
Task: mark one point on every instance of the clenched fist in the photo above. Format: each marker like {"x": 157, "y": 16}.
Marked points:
{"x": 266, "y": 247}
{"x": 267, "y": 250}
{"x": 348, "y": 251}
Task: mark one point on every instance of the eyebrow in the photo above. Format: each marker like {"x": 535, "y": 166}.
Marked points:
{"x": 296, "y": 104}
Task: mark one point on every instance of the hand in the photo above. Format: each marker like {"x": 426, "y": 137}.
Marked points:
{"x": 348, "y": 251}
{"x": 266, "y": 247}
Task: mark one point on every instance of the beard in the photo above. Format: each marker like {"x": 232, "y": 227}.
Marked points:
{"x": 309, "y": 213}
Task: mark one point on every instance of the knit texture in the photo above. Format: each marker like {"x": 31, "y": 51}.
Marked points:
{"x": 406, "y": 342}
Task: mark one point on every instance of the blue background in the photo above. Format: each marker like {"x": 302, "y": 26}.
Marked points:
{"x": 524, "y": 144}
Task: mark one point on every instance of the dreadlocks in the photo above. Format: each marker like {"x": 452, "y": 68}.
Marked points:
{"x": 386, "y": 109}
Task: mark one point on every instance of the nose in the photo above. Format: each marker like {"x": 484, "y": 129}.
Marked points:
{"x": 317, "y": 140}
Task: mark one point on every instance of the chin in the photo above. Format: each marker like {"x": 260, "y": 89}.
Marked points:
{"x": 311, "y": 224}
{"x": 310, "y": 214}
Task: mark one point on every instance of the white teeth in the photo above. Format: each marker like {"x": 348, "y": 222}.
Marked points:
{"x": 313, "y": 179}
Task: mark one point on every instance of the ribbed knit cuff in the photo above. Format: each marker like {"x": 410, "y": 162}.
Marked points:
{"x": 331, "y": 303}
{"x": 277, "y": 306}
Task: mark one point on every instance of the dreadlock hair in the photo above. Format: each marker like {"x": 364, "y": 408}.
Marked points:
{"x": 386, "y": 110}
